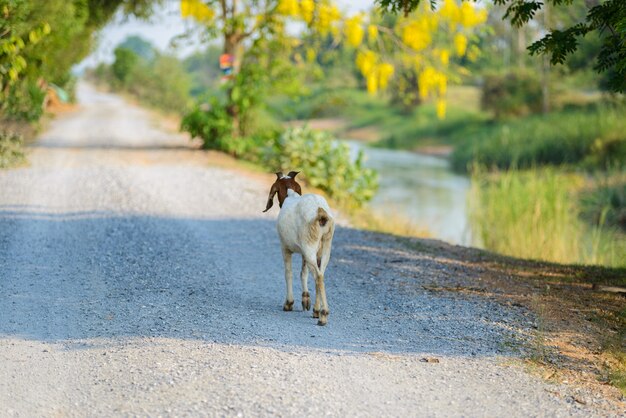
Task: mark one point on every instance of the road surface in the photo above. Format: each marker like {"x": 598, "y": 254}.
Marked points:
{"x": 138, "y": 280}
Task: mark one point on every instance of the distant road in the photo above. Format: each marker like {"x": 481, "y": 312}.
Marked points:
{"x": 136, "y": 279}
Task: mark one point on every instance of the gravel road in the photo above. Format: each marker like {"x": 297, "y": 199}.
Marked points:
{"x": 138, "y": 280}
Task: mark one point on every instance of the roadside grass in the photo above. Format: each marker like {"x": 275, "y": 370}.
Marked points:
{"x": 392, "y": 222}
{"x": 536, "y": 214}
{"x": 11, "y": 149}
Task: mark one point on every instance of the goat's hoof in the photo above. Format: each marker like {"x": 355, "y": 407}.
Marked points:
{"x": 306, "y": 301}
{"x": 288, "y": 306}
{"x": 323, "y": 317}
{"x": 316, "y": 313}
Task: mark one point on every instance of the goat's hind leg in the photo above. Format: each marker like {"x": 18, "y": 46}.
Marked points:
{"x": 304, "y": 276}
{"x": 288, "y": 306}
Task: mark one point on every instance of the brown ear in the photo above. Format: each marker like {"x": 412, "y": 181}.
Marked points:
{"x": 293, "y": 174}
{"x": 279, "y": 175}
{"x": 270, "y": 199}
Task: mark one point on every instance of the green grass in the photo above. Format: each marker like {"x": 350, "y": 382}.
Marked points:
{"x": 536, "y": 214}
{"x": 591, "y": 136}
{"x": 397, "y": 128}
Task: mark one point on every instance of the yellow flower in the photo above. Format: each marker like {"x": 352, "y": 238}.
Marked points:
{"x": 417, "y": 34}
{"x": 469, "y": 16}
{"x": 307, "y": 7}
{"x": 353, "y": 30}
{"x": 385, "y": 71}
{"x": 450, "y": 11}
{"x": 441, "y": 108}
{"x": 444, "y": 55}
{"x": 288, "y": 7}
{"x": 372, "y": 33}
{"x": 372, "y": 83}
{"x": 460, "y": 44}
{"x": 197, "y": 10}
{"x": 365, "y": 61}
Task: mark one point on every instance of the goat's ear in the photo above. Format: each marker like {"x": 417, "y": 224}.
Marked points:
{"x": 270, "y": 198}
{"x": 279, "y": 175}
{"x": 293, "y": 174}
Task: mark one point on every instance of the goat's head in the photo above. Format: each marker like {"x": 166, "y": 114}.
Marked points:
{"x": 282, "y": 184}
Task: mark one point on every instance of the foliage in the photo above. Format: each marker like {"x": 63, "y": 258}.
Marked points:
{"x": 203, "y": 71}
{"x": 211, "y": 123}
{"x": 40, "y": 40}
{"x": 141, "y": 47}
{"x": 607, "y": 18}
{"x": 10, "y": 149}
{"x": 325, "y": 164}
{"x": 535, "y": 214}
{"x": 592, "y": 136}
{"x": 160, "y": 82}
{"x": 124, "y": 64}
{"x": 516, "y": 93}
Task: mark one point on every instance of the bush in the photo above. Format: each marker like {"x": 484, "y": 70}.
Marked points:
{"x": 10, "y": 149}
{"x": 161, "y": 83}
{"x": 124, "y": 64}
{"x": 325, "y": 164}
{"x": 511, "y": 94}
{"x": 211, "y": 123}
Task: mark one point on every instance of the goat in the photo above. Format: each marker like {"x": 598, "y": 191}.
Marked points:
{"x": 305, "y": 226}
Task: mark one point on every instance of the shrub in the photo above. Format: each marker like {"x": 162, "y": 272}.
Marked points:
{"x": 511, "y": 94}
{"x": 10, "y": 149}
{"x": 125, "y": 61}
{"x": 211, "y": 123}
{"x": 24, "y": 102}
{"x": 325, "y": 164}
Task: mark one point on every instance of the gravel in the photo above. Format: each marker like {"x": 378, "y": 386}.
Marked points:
{"x": 136, "y": 279}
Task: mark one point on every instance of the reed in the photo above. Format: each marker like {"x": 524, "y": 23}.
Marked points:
{"x": 535, "y": 214}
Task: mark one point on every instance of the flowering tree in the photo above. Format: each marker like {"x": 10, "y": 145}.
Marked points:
{"x": 424, "y": 40}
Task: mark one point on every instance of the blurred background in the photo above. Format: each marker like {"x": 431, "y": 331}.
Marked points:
{"x": 432, "y": 120}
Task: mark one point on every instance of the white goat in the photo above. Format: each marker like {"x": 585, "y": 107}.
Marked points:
{"x": 305, "y": 226}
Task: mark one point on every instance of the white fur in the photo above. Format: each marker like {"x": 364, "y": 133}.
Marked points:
{"x": 300, "y": 232}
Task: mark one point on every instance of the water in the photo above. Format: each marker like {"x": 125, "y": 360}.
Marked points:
{"x": 421, "y": 189}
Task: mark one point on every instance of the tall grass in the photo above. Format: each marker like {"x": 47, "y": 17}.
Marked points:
{"x": 594, "y": 136}
{"x": 535, "y": 214}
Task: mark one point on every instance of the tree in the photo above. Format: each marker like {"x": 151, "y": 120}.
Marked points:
{"x": 40, "y": 41}
{"x": 249, "y": 28}
{"x": 608, "y": 19}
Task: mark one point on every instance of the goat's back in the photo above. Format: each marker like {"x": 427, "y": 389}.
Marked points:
{"x": 301, "y": 220}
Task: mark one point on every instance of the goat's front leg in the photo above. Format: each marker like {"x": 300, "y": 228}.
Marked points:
{"x": 304, "y": 277}
{"x": 288, "y": 306}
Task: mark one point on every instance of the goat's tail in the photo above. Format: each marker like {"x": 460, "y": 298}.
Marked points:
{"x": 322, "y": 217}
{"x": 326, "y": 229}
